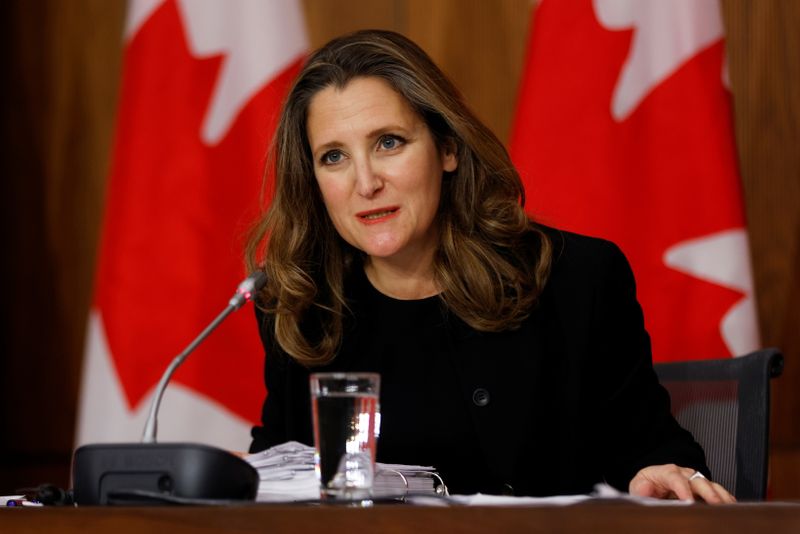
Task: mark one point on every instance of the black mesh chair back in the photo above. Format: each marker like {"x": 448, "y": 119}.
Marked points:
{"x": 725, "y": 405}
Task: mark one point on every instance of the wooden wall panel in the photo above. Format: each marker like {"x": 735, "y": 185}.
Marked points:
{"x": 481, "y": 46}
{"x": 56, "y": 131}
{"x": 764, "y": 63}
{"x": 764, "y": 58}
{"x": 57, "y": 121}
{"x": 327, "y": 19}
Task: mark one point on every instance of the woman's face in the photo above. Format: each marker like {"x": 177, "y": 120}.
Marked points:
{"x": 378, "y": 168}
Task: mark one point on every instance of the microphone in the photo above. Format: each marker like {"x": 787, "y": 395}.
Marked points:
{"x": 150, "y": 472}
{"x": 244, "y": 293}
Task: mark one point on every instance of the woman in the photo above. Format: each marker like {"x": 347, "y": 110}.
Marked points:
{"x": 513, "y": 357}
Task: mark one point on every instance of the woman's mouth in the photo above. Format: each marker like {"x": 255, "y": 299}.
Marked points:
{"x": 377, "y": 215}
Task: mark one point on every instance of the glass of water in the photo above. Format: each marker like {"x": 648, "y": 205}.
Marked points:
{"x": 345, "y": 415}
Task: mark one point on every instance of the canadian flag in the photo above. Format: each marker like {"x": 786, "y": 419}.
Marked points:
{"x": 201, "y": 88}
{"x": 624, "y": 131}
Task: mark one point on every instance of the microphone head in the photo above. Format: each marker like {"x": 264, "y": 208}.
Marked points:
{"x": 248, "y": 288}
{"x": 255, "y": 282}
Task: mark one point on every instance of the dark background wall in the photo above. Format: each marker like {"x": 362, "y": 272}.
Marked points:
{"x": 62, "y": 74}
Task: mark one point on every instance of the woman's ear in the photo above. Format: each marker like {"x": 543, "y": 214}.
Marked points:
{"x": 449, "y": 155}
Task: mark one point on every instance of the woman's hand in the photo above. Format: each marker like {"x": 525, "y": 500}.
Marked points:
{"x": 673, "y": 482}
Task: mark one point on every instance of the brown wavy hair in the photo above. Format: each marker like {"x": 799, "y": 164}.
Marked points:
{"x": 492, "y": 261}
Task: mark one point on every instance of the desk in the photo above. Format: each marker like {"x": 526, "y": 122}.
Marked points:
{"x": 595, "y": 517}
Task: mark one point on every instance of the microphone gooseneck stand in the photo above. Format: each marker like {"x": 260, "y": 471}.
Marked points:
{"x": 151, "y": 472}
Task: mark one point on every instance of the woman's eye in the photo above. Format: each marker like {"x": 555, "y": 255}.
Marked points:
{"x": 389, "y": 142}
{"x": 331, "y": 158}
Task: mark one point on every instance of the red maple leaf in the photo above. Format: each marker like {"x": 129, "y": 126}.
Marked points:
{"x": 664, "y": 175}
{"x": 176, "y": 214}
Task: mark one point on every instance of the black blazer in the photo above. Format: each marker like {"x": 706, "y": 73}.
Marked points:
{"x": 568, "y": 400}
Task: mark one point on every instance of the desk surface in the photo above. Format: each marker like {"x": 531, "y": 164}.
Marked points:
{"x": 596, "y": 517}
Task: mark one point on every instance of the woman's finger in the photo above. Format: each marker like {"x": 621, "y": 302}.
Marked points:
{"x": 709, "y": 491}
{"x": 678, "y": 482}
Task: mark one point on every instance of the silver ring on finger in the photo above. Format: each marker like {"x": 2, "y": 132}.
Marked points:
{"x": 697, "y": 474}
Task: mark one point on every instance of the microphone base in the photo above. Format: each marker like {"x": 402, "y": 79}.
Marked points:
{"x": 138, "y": 473}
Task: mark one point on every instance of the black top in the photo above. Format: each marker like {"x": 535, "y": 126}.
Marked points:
{"x": 567, "y": 400}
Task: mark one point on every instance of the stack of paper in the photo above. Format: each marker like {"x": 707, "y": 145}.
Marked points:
{"x": 287, "y": 474}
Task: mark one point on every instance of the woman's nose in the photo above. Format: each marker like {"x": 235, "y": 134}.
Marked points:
{"x": 368, "y": 180}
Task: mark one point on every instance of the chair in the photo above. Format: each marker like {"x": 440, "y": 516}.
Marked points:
{"x": 725, "y": 405}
